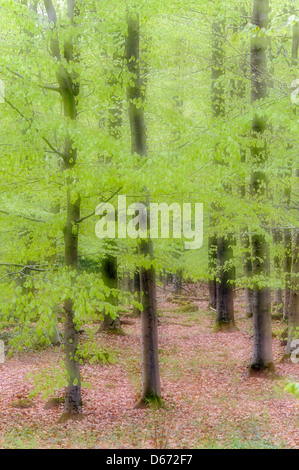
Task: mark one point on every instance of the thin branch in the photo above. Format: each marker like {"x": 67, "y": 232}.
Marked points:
{"x": 23, "y": 217}
{"x": 93, "y": 213}
{"x": 16, "y": 109}
{"x": 62, "y": 155}
{"x": 21, "y": 270}
{"x": 51, "y": 88}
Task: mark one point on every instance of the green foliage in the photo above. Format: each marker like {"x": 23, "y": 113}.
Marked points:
{"x": 293, "y": 388}
{"x": 185, "y": 140}
{"x": 91, "y": 353}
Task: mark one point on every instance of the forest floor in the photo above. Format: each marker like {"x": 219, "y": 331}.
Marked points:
{"x": 210, "y": 401}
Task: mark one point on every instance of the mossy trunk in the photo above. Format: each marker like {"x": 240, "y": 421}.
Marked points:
{"x": 69, "y": 91}
{"x": 73, "y": 400}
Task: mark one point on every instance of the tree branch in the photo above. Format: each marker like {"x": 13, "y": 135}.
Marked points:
{"x": 61, "y": 154}
{"x": 52, "y": 18}
{"x": 93, "y": 213}
{"x": 51, "y": 88}
{"x": 23, "y": 217}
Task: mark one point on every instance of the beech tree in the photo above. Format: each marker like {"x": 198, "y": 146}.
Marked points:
{"x": 224, "y": 253}
{"x": 262, "y": 357}
{"x": 151, "y": 390}
{"x": 292, "y": 293}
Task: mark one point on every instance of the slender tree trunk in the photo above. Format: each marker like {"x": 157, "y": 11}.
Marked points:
{"x": 109, "y": 265}
{"x": 247, "y": 267}
{"x": 73, "y": 400}
{"x": 278, "y": 302}
{"x": 245, "y": 237}
{"x": 225, "y": 288}
{"x": 293, "y": 298}
{"x": 293, "y": 330}
{"x": 178, "y": 282}
{"x": 262, "y": 357}
{"x": 55, "y": 336}
{"x": 69, "y": 90}
{"x": 225, "y": 269}
{"x": 212, "y": 251}
{"x": 151, "y": 391}
{"x": 278, "y": 297}
{"x": 288, "y": 233}
{"x": 287, "y": 262}
{"x": 295, "y": 40}
{"x": 109, "y": 275}
{"x": 164, "y": 277}
{"x": 137, "y": 291}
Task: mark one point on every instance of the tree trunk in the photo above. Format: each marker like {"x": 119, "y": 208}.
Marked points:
{"x": 151, "y": 393}
{"x": 225, "y": 269}
{"x": 293, "y": 330}
{"x": 137, "y": 291}
{"x": 151, "y": 390}
{"x": 240, "y": 88}
{"x": 109, "y": 275}
{"x": 212, "y": 253}
{"x": 262, "y": 357}
{"x": 277, "y": 309}
{"x": 164, "y": 278}
{"x": 295, "y": 39}
{"x": 69, "y": 90}
{"x": 287, "y": 266}
{"x": 278, "y": 302}
{"x": 177, "y": 282}
{"x": 109, "y": 265}
{"x": 73, "y": 401}
{"x": 225, "y": 288}
{"x": 111, "y": 325}
{"x": 247, "y": 268}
